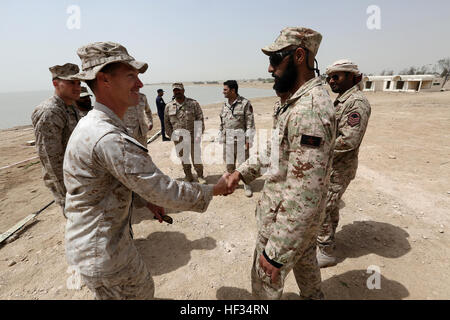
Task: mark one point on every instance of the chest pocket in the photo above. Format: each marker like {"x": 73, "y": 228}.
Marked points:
{"x": 190, "y": 115}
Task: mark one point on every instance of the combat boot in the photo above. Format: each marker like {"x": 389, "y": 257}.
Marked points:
{"x": 248, "y": 190}
{"x": 188, "y": 176}
{"x": 325, "y": 260}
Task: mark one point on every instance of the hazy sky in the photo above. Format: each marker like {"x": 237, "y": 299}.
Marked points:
{"x": 191, "y": 40}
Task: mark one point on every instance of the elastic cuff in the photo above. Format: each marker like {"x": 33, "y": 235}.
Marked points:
{"x": 274, "y": 263}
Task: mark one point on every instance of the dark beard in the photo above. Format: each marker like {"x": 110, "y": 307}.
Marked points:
{"x": 286, "y": 82}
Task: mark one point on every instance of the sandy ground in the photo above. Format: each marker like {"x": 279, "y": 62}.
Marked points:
{"x": 395, "y": 215}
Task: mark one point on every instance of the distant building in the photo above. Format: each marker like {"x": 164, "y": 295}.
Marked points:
{"x": 405, "y": 83}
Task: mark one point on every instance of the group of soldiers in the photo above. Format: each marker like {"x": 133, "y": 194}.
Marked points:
{"x": 96, "y": 163}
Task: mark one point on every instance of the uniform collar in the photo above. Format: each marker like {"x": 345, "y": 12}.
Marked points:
{"x": 305, "y": 88}
{"x": 110, "y": 114}
{"x": 348, "y": 93}
{"x": 238, "y": 100}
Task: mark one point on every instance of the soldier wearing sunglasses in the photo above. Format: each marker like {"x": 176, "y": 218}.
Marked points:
{"x": 352, "y": 115}
{"x": 291, "y": 208}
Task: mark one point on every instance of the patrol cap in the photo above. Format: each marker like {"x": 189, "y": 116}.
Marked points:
{"x": 160, "y": 90}
{"x": 64, "y": 72}
{"x": 177, "y": 85}
{"x": 298, "y": 36}
{"x": 84, "y": 92}
{"x": 344, "y": 65}
{"x": 95, "y": 56}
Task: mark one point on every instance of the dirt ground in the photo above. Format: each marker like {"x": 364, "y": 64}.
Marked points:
{"x": 395, "y": 215}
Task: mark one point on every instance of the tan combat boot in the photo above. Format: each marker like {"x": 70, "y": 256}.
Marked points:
{"x": 248, "y": 190}
{"x": 325, "y": 260}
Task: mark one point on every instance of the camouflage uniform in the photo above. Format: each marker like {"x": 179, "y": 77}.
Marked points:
{"x": 291, "y": 206}
{"x": 293, "y": 200}
{"x": 183, "y": 116}
{"x": 135, "y": 120}
{"x": 352, "y": 116}
{"x": 238, "y": 116}
{"x": 53, "y": 123}
{"x": 103, "y": 165}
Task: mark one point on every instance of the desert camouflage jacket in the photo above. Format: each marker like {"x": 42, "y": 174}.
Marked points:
{"x": 182, "y": 116}
{"x": 352, "y": 116}
{"x": 103, "y": 165}
{"x": 239, "y": 115}
{"x": 53, "y": 123}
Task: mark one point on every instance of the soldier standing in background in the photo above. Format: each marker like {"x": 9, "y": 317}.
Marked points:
{"x": 160, "y": 107}
{"x": 139, "y": 120}
{"x": 293, "y": 200}
{"x": 352, "y": 116}
{"x": 84, "y": 104}
{"x": 182, "y": 113}
{"x": 238, "y": 124}
{"x": 53, "y": 122}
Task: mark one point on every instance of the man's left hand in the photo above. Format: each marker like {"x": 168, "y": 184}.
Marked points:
{"x": 150, "y": 127}
{"x": 269, "y": 269}
{"x": 157, "y": 211}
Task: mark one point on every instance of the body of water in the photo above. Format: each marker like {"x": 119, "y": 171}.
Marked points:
{"x": 17, "y": 106}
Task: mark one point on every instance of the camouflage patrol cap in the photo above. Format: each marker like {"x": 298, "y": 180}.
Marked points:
{"x": 343, "y": 65}
{"x": 177, "y": 85}
{"x": 64, "y": 72}
{"x": 95, "y": 56}
{"x": 84, "y": 92}
{"x": 297, "y": 36}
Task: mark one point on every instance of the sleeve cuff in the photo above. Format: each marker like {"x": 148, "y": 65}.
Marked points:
{"x": 274, "y": 263}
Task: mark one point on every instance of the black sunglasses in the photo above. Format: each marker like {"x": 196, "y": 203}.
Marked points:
{"x": 276, "y": 58}
{"x": 335, "y": 77}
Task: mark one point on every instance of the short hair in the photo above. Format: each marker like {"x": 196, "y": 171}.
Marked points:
{"x": 109, "y": 69}
{"x": 232, "y": 84}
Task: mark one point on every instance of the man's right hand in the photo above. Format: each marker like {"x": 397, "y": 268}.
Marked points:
{"x": 223, "y": 186}
{"x": 233, "y": 180}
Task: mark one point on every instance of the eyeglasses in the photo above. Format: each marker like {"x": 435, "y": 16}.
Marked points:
{"x": 335, "y": 77}
{"x": 276, "y": 58}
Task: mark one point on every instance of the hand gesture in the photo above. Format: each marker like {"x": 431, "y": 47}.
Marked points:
{"x": 157, "y": 211}
{"x": 223, "y": 186}
{"x": 270, "y": 270}
{"x": 233, "y": 180}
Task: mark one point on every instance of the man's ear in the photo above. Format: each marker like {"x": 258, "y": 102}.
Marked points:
{"x": 357, "y": 78}
{"x": 55, "y": 82}
{"x": 102, "y": 78}
{"x": 300, "y": 55}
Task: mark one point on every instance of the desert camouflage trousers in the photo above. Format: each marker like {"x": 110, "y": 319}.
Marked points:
{"x": 134, "y": 282}
{"x": 304, "y": 266}
{"x": 196, "y": 158}
{"x": 325, "y": 239}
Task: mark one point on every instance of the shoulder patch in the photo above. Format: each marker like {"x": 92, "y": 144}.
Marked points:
{"x": 354, "y": 119}
{"x": 310, "y": 141}
{"x": 133, "y": 141}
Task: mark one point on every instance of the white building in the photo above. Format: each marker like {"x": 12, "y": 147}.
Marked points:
{"x": 405, "y": 83}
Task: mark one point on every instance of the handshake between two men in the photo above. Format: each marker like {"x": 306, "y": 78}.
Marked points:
{"x": 225, "y": 186}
